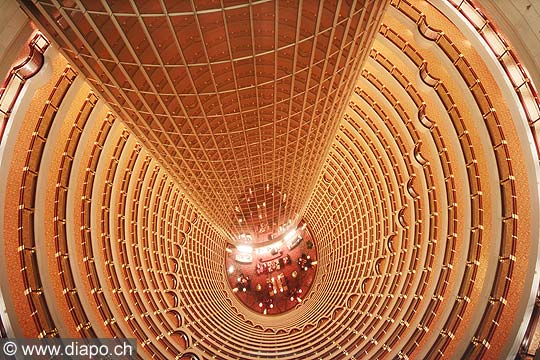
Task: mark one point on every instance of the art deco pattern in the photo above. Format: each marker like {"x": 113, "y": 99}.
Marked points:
{"x": 423, "y": 197}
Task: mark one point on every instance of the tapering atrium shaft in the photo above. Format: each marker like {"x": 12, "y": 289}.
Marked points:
{"x": 242, "y": 180}
{"x": 234, "y": 98}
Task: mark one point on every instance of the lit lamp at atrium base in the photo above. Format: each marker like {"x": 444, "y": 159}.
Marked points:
{"x": 273, "y": 277}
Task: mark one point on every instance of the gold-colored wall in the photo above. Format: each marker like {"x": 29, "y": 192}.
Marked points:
{"x": 425, "y": 215}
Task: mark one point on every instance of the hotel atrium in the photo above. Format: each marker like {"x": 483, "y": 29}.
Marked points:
{"x": 272, "y": 179}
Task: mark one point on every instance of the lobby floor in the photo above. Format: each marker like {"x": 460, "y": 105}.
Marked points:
{"x": 275, "y": 281}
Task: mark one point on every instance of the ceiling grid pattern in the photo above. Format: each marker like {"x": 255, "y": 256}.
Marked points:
{"x": 424, "y": 209}
{"x": 228, "y": 99}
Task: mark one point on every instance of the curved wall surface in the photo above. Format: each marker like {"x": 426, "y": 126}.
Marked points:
{"x": 518, "y": 22}
{"x": 425, "y": 211}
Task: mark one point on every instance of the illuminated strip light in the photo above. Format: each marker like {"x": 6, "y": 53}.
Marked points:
{"x": 290, "y": 235}
{"x": 246, "y": 249}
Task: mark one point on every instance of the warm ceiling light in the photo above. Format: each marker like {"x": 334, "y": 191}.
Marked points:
{"x": 290, "y": 235}
{"x": 244, "y": 249}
